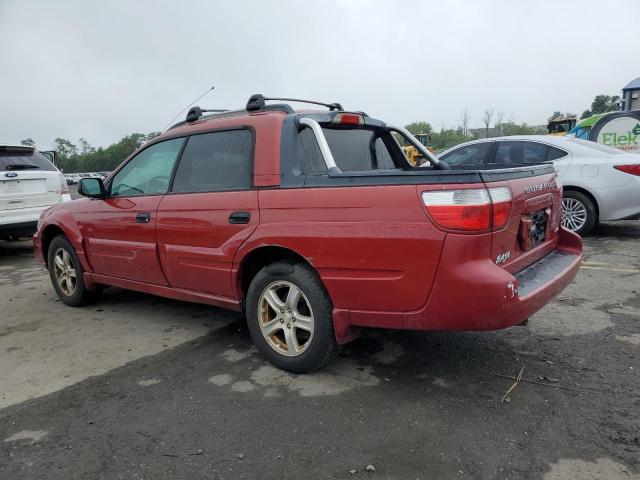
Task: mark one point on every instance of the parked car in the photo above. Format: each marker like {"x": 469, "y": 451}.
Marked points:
{"x": 72, "y": 178}
{"x": 29, "y": 183}
{"x": 315, "y": 225}
{"x": 600, "y": 183}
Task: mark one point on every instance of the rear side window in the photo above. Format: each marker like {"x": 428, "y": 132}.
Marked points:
{"x": 517, "y": 153}
{"x": 473, "y": 154}
{"x": 555, "y": 153}
{"x": 216, "y": 161}
{"x": 27, "y": 159}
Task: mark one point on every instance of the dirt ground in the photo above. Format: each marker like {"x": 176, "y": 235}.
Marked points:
{"x": 142, "y": 387}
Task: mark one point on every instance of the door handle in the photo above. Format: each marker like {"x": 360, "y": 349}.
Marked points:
{"x": 239, "y": 217}
{"x": 143, "y": 217}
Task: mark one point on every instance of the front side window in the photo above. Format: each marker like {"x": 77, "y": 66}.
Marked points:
{"x": 149, "y": 172}
{"x": 216, "y": 161}
{"x": 468, "y": 155}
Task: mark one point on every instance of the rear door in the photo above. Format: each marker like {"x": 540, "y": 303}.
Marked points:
{"x": 120, "y": 230}
{"x": 209, "y": 212}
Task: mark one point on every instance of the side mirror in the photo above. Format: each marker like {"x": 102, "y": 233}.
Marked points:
{"x": 91, "y": 187}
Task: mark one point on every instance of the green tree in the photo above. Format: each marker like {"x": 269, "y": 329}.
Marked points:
{"x": 85, "y": 147}
{"x": 603, "y": 104}
{"x": 513, "y": 128}
{"x": 28, "y": 142}
{"x": 419, "y": 127}
{"x": 65, "y": 148}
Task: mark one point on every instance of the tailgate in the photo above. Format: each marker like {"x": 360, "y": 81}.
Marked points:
{"x": 532, "y": 230}
{"x": 33, "y": 188}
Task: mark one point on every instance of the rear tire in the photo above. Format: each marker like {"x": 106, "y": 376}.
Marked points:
{"x": 290, "y": 317}
{"x": 578, "y": 212}
{"x": 66, "y": 274}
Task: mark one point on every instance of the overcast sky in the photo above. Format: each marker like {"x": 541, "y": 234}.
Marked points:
{"x": 104, "y": 69}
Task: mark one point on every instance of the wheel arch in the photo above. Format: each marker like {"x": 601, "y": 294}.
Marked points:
{"x": 48, "y": 234}
{"x": 586, "y": 192}
{"x": 260, "y": 257}
{"x": 64, "y": 225}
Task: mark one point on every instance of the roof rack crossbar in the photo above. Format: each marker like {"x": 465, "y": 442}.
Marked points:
{"x": 195, "y": 113}
{"x": 257, "y": 102}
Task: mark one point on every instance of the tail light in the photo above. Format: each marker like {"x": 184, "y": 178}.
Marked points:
{"x": 631, "y": 169}
{"x": 64, "y": 188}
{"x": 469, "y": 209}
{"x": 501, "y": 200}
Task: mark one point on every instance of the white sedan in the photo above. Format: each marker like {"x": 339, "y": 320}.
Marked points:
{"x": 600, "y": 183}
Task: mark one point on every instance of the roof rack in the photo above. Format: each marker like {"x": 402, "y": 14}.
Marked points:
{"x": 257, "y": 102}
{"x": 195, "y": 113}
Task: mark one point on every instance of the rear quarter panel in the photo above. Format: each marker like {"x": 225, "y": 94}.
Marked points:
{"x": 373, "y": 246}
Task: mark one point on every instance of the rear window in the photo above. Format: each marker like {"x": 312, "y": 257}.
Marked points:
{"x": 353, "y": 149}
{"x": 357, "y": 150}
{"x": 27, "y": 159}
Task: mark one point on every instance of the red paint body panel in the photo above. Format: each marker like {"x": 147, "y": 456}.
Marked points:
{"x": 197, "y": 243}
{"x": 473, "y": 294}
{"x": 369, "y": 253}
{"x": 116, "y": 244}
{"x": 381, "y": 257}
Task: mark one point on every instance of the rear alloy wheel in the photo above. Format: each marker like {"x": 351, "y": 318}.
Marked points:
{"x": 66, "y": 274}
{"x": 578, "y": 212}
{"x": 290, "y": 317}
{"x": 285, "y": 318}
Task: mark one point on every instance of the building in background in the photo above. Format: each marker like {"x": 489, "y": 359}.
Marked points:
{"x": 631, "y": 96}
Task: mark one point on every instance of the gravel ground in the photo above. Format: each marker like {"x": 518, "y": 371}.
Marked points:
{"x": 142, "y": 387}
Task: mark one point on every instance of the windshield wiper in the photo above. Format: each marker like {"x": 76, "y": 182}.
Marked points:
{"x": 20, "y": 166}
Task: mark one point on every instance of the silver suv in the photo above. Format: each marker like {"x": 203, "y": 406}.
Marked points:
{"x": 29, "y": 183}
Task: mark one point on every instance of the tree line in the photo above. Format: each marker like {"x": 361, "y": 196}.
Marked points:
{"x": 82, "y": 157}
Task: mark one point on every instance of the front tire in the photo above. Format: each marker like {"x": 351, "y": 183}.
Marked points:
{"x": 578, "y": 212}
{"x": 289, "y": 315}
{"x": 66, "y": 274}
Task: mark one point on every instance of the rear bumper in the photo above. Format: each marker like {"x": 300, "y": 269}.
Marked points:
{"x": 483, "y": 296}
{"x": 475, "y": 295}
{"x": 18, "y": 229}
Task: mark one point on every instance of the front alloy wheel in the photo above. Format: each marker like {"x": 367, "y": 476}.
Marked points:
{"x": 64, "y": 271}
{"x": 285, "y": 318}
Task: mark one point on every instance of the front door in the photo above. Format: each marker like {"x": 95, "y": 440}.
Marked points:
{"x": 120, "y": 230}
{"x": 209, "y": 213}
